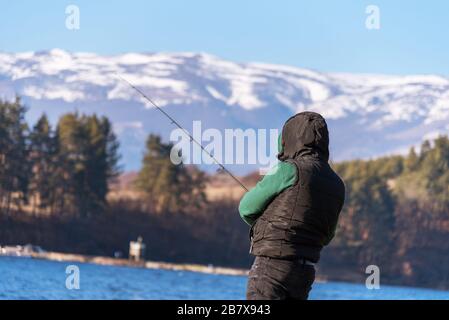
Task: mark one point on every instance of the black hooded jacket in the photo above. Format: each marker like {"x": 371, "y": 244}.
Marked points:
{"x": 302, "y": 219}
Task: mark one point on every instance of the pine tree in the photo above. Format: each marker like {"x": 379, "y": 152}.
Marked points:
{"x": 101, "y": 161}
{"x": 435, "y": 172}
{"x": 42, "y": 161}
{"x": 70, "y": 163}
{"x": 412, "y": 160}
{"x": 168, "y": 187}
{"x": 88, "y": 161}
{"x": 14, "y": 169}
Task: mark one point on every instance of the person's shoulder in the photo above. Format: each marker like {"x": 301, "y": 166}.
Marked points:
{"x": 288, "y": 167}
{"x": 282, "y": 168}
{"x": 286, "y": 172}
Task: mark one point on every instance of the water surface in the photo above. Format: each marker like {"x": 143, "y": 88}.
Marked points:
{"x": 25, "y": 278}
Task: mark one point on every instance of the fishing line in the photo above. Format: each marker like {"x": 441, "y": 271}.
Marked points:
{"x": 187, "y": 133}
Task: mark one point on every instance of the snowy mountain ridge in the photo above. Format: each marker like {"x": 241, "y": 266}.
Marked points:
{"x": 369, "y": 115}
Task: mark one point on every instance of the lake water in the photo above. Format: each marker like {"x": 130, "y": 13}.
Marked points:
{"x": 24, "y": 278}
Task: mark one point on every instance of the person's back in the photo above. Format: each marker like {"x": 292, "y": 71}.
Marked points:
{"x": 293, "y": 212}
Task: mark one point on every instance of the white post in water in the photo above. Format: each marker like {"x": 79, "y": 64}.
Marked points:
{"x": 136, "y": 249}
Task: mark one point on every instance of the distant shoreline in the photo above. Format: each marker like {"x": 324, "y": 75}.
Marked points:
{"x": 107, "y": 261}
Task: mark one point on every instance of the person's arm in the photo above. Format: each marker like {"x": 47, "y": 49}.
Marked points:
{"x": 255, "y": 201}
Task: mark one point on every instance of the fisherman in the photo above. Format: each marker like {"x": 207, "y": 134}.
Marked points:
{"x": 293, "y": 212}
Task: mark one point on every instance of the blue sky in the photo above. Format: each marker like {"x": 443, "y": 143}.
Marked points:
{"x": 324, "y": 35}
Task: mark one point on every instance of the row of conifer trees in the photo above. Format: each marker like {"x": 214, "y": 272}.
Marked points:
{"x": 65, "y": 169}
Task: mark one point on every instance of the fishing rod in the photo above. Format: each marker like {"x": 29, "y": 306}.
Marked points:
{"x": 187, "y": 133}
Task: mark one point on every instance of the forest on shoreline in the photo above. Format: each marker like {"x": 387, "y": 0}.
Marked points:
{"x": 54, "y": 186}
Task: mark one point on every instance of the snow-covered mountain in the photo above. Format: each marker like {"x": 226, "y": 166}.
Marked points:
{"x": 368, "y": 115}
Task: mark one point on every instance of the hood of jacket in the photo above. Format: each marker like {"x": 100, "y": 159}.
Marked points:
{"x": 304, "y": 134}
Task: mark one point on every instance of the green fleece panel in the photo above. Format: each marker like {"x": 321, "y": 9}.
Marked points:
{"x": 254, "y": 202}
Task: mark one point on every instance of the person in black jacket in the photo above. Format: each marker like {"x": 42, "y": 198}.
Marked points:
{"x": 293, "y": 212}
